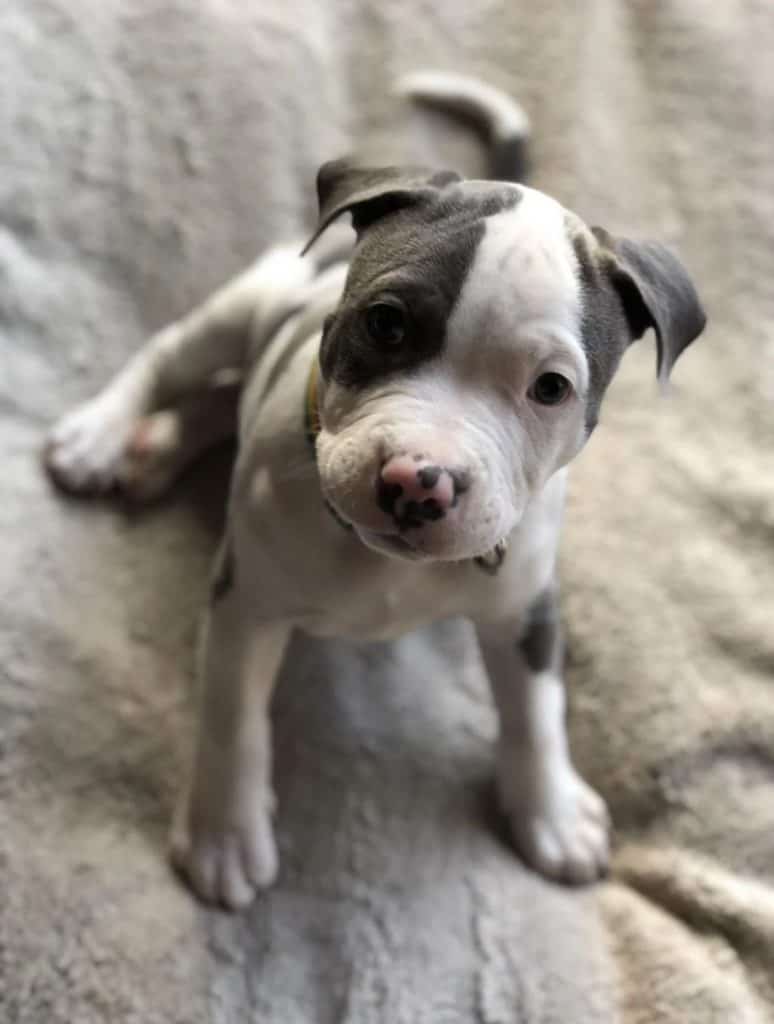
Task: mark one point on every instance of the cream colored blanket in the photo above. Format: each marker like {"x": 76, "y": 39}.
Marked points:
{"x": 150, "y": 148}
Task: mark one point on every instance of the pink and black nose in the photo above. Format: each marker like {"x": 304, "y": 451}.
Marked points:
{"x": 414, "y": 491}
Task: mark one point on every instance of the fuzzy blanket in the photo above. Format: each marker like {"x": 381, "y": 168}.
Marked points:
{"x": 150, "y": 148}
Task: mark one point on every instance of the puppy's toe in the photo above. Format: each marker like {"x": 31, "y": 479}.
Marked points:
{"x": 200, "y": 866}
{"x": 83, "y": 450}
{"x": 236, "y": 888}
{"x": 585, "y": 855}
{"x": 559, "y": 824}
{"x": 260, "y": 859}
{"x": 227, "y": 867}
{"x": 539, "y": 846}
{"x": 153, "y": 458}
{"x": 592, "y": 806}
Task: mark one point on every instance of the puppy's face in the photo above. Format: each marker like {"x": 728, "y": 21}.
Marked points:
{"x": 465, "y": 364}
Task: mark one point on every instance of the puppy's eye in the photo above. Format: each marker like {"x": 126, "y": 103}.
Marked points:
{"x": 386, "y": 323}
{"x": 550, "y": 389}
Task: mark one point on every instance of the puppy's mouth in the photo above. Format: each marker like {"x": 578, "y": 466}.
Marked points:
{"x": 394, "y": 544}
{"x": 405, "y": 544}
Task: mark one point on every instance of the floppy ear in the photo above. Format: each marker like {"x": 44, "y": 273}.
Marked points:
{"x": 372, "y": 192}
{"x": 655, "y": 291}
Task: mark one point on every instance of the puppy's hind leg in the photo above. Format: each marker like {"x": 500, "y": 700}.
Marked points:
{"x": 84, "y": 452}
{"x": 164, "y": 444}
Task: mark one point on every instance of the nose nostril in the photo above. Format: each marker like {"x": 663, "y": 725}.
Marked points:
{"x": 461, "y": 482}
{"x": 461, "y": 479}
{"x": 413, "y": 495}
{"x": 387, "y": 495}
{"x": 429, "y": 476}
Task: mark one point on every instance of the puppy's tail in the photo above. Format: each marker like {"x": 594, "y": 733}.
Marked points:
{"x": 502, "y": 121}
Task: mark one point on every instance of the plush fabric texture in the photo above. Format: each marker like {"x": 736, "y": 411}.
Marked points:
{"x": 151, "y": 149}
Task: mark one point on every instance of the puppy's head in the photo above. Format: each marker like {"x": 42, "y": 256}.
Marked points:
{"x": 466, "y": 362}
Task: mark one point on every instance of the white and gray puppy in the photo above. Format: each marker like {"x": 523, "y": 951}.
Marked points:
{"x": 406, "y": 412}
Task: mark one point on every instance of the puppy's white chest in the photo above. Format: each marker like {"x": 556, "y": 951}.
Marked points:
{"x": 387, "y": 602}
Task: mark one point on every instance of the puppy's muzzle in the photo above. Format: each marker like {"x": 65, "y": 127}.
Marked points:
{"x": 413, "y": 490}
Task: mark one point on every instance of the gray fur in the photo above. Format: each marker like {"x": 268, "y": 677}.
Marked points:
{"x": 417, "y": 236}
{"x": 655, "y": 291}
{"x": 627, "y": 288}
{"x": 541, "y": 641}
{"x": 604, "y": 333}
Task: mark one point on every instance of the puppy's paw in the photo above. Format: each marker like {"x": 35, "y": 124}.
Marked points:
{"x": 559, "y": 824}
{"x": 154, "y": 457}
{"x": 225, "y": 863}
{"x": 84, "y": 450}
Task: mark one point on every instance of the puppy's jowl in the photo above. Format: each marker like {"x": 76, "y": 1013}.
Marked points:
{"x": 432, "y": 382}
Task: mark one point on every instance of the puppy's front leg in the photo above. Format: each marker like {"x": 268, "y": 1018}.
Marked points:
{"x": 222, "y": 838}
{"x": 558, "y": 822}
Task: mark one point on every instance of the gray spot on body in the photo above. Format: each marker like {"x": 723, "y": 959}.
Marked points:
{"x": 541, "y": 639}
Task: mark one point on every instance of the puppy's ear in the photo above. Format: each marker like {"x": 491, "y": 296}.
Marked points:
{"x": 655, "y": 291}
{"x": 370, "y": 193}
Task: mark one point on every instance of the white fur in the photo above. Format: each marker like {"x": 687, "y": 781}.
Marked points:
{"x": 87, "y": 449}
{"x": 296, "y": 567}
{"x": 558, "y": 821}
{"x": 518, "y": 315}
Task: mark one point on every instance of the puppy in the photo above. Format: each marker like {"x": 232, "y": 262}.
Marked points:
{"x": 406, "y": 410}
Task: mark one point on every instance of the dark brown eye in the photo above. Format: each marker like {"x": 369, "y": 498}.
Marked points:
{"x": 386, "y": 323}
{"x": 550, "y": 389}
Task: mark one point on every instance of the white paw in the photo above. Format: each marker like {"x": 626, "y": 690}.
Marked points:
{"x": 225, "y": 861}
{"x": 84, "y": 450}
{"x": 559, "y": 824}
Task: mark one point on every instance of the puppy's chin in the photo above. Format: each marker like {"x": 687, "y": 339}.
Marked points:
{"x": 394, "y": 545}
{"x": 398, "y": 546}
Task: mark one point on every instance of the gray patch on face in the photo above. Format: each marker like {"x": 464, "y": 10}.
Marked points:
{"x": 541, "y": 639}
{"x": 225, "y": 571}
{"x": 604, "y": 331}
{"x": 421, "y": 256}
